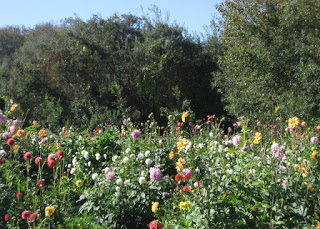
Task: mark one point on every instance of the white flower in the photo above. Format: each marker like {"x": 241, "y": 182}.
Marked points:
{"x": 98, "y": 156}
{"x": 230, "y": 171}
{"x": 143, "y": 173}
{"x": 85, "y": 154}
{"x": 132, "y": 155}
{"x": 74, "y": 161}
{"x": 195, "y": 184}
{"x": 148, "y": 161}
{"x": 226, "y": 149}
{"x": 140, "y": 156}
{"x": 128, "y": 150}
{"x": 201, "y": 145}
{"x": 119, "y": 182}
{"x": 105, "y": 156}
{"x": 117, "y": 194}
{"x": 125, "y": 160}
{"x": 147, "y": 153}
{"x": 69, "y": 166}
{"x": 115, "y": 157}
{"x": 106, "y": 170}
{"x": 118, "y": 189}
{"x": 160, "y": 142}
{"x": 142, "y": 180}
{"x": 211, "y": 135}
{"x": 89, "y": 163}
{"x": 126, "y": 182}
{"x": 95, "y": 176}
{"x": 72, "y": 171}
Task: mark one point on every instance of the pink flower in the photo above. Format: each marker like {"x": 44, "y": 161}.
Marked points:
{"x": 33, "y": 216}
{"x": 38, "y": 161}
{"x": 6, "y": 217}
{"x": 135, "y": 134}
{"x": 236, "y": 140}
{"x": 3, "y": 118}
{"x": 27, "y": 156}
{"x": 314, "y": 140}
{"x": 11, "y": 141}
{"x": 111, "y": 175}
{"x": 52, "y": 156}
{"x": 25, "y": 214}
{"x": 155, "y": 224}
{"x": 155, "y": 174}
{"x": 6, "y": 135}
{"x": 18, "y": 194}
{"x": 285, "y": 181}
{"x": 96, "y": 131}
{"x": 3, "y": 160}
{"x": 60, "y": 154}
{"x": 51, "y": 163}
{"x": 13, "y": 129}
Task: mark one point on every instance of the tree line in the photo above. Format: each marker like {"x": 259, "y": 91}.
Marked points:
{"x": 263, "y": 54}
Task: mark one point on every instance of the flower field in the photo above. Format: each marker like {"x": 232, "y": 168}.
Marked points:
{"x": 183, "y": 175}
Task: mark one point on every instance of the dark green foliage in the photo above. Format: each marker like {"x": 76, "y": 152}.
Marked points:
{"x": 271, "y": 57}
{"x": 86, "y": 73}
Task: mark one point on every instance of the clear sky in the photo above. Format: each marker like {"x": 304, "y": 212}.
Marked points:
{"x": 193, "y": 15}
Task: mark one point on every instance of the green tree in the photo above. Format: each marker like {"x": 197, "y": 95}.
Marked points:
{"x": 270, "y": 57}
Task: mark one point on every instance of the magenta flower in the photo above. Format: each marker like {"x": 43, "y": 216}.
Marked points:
{"x": 236, "y": 140}
{"x": 155, "y": 174}
{"x": 135, "y": 134}
{"x": 27, "y": 156}
{"x": 25, "y": 214}
{"x": 38, "y": 161}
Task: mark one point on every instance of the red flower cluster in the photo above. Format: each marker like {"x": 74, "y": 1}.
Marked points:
{"x": 180, "y": 177}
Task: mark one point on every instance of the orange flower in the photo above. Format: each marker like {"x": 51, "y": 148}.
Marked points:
{"x": 171, "y": 155}
{"x": 277, "y": 108}
{"x": 58, "y": 145}
{"x": 180, "y": 163}
{"x": 302, "y": 169}
{"x": 35, "y": 123}
{"x": 314, "y": 154}
{"x": 13, "y": 107}
{"x": 257, "y": 137}
{"x": 293, "y": 122}
{"x": 318, "y": 224}
{"x": 20, "y": 133}
{"x": 42, "y": 133}
{"x": 16, "y": 148}
{"x": 182, "y": 143}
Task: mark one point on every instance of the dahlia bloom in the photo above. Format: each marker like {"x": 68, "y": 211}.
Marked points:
{"x": 187, "y": 174}
{"x": 11, "y": 141}
{"x": 38, "y": 161}
{"x": 236, "y": 140}
{"x": 135, "y": 134}
{"x": 27, "y": 156}
{"x": 60, "y": 154}
{"x": 51, "y": 163}
{"x": 154, "y": 207}
{"x": 111, "y": 175}
{"x": 314, "y": 140}
{"x": 49, "y": 210}
{"x": 33, "y": 216}
{"x": 40, "y": 183}
{"x": 6, "y": 217}
{"x": 25, "y": 214}
{"x": 155, "y": 224}
{"x": 155, "y": 174}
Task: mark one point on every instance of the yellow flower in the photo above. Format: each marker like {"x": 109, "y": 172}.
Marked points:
{"x": 171, "y": 155}
{"x": 314, "y": 154}
{"x": 277, "y": 108}
{"x": 16, "y": 148}
{"x": 294, "y": 122}
{"x": 79, "y": 183}
{"x": 35, "y": 123}
{"x": 182, "y": 143}
{"x": 13, "y": 107}
{"x": 49, "y": 210}
{"x": 154, "y": 207}
{"x": 184, "y": 115}
{"x": 257, "y": 137}
{"x": 184, "y": 204}
{"x": 58, "y": 145}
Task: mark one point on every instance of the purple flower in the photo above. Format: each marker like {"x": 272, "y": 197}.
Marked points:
{"x": 285, "y": 181}
{"x": 314, "y": 140}
{"x": 164, "y": 194}
{"x": 111, "y": 175}
{"x": 3, "y": 118}
{"x": 155, "y": 174}
{"x": 242, "y": 118}
{"x": 244, "y": 149}
{"x": 135, "y": 134}
{"x": 126, "y": 121}
{"x": 262, "y": 150}
{"x": 275, "y": 147}
{"x": 3, "y": 153}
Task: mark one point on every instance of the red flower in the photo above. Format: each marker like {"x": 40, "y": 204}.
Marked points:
{"x": 186, "y": 188}
{"x": 33, "y": 216}
{"x": 25, "y": 214}
{"x": 27, "y": 156}
{"x": 155, "y": 224}
{"x": 86, "y": 135}
{"x": 60, "y": 154}
{"x": 179, "y": 177}
{"x": 40, "y": 183}
{"x": 11, "y": 141}
{"x": 18, "y": 194}
{"x": 96, "y": 131}
{"x": 38, "y": 161}
{"x": 51, "y": 163}
{"x": 6, "y": 217}
{"x": 109, "y": 126}
{"x": 3, "y": 160}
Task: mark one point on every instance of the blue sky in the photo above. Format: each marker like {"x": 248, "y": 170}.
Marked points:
{"x": 193, "y": 15}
